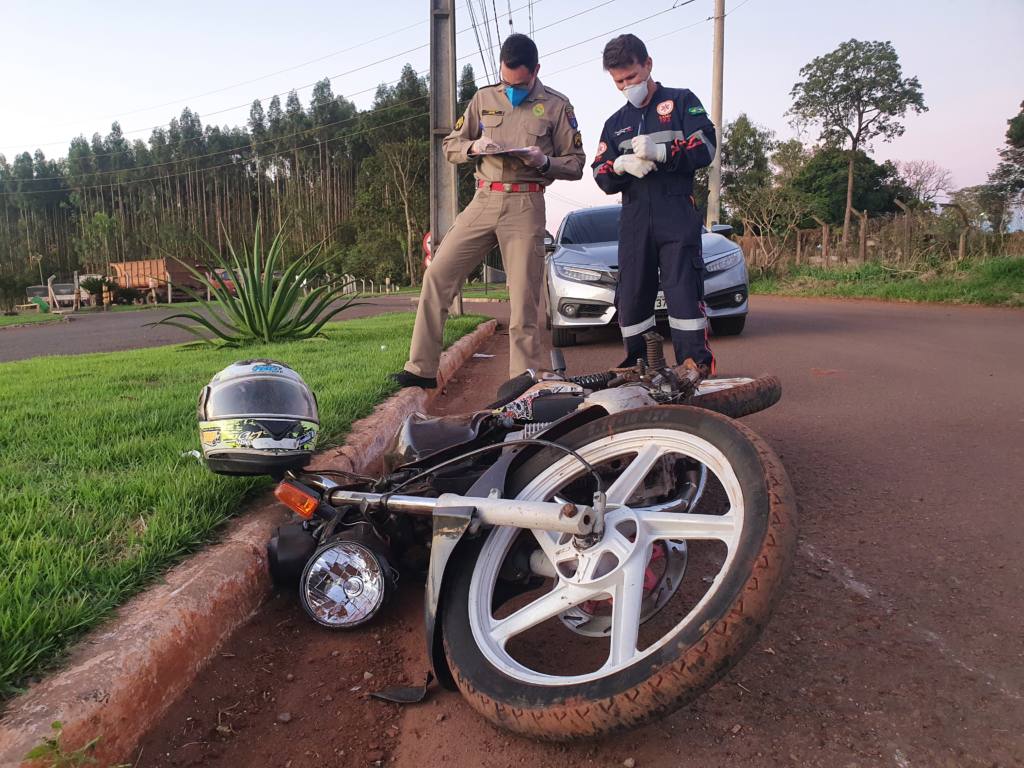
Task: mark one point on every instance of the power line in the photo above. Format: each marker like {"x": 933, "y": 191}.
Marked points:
{"x": 320, "y": 127}
{"x": 479, "y": 42}
{"x": 373, "y": 88}
{"x": 184, "y": 100}
{"x": 267, "y": 98}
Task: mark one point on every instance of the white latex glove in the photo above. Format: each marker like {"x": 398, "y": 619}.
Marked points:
{"x": 645, "y": 148}
{"x": 532, "y": 156}
{"x": 483, "y": 144}
{"x": 633, "y": 165}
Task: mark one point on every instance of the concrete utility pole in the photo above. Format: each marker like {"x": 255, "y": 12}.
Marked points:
{"x": 715, "y": 179}
{"x": 444, "y": 192}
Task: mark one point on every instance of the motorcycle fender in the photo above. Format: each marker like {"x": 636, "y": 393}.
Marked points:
{"x": 450, "y": 525}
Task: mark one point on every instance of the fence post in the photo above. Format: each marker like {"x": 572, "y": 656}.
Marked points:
{"x": 798, "y": 239}
{"x": 863, "y": 234}
{"x": 170, "y": 297}
{"x": 824, "y": 241}
{"x": 961, "y": 251}
{"x": 906, "y": 229}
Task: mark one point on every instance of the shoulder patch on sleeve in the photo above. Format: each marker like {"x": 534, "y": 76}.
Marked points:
{"x": 698, "y": 110}
{"x": 460, "y": 122}
{"x": 570, "y": 115}
{"x": 577, "y": 140}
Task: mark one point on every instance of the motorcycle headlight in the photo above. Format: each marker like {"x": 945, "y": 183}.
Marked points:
{"x": 583, "y": 274}
{"x": 344, "y": 584}
{"x": 725, "y": 262}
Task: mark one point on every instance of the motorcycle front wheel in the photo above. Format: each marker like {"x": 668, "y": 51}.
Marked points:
{"x": 609, "y": 633}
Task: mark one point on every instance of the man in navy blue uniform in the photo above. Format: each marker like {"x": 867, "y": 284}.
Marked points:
{"x": 649, "y": 151}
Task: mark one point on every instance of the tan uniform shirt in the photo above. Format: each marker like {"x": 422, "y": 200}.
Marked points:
{"x": 545, "y": 118}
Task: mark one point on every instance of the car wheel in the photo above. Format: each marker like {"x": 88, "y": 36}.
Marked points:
{"x": 560, "y": 337}
{"x": 728, "y": 326}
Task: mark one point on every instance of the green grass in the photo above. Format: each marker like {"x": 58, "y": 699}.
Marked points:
{"x": 995, "y": 282}
{"x": 95, "y": 496}
{"x": 175, "y": 306}
{"x": 28, "y": 317}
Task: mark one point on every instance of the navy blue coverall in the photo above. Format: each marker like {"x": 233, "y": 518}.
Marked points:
{"x": 660, "y": 226}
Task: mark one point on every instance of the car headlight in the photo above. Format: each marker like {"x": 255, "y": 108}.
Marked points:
{"x": 583, "y": 274}
{"x": 724, "y": 262}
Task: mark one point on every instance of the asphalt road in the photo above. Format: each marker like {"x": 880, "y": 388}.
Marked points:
{"x": 112, "y": 331}
{"x": 899, "y": 642}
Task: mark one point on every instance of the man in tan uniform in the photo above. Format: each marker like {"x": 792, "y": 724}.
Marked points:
{"x": 508, "y": 209}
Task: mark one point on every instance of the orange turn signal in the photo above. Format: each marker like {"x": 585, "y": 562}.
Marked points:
{"x": 301, "y": 502}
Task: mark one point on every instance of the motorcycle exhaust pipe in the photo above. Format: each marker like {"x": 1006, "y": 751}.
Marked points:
{"x": 548, "y": 516}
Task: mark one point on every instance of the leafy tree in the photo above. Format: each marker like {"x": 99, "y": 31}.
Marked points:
{"x": 855, "y": 94}
{"x": 1008, "y": 177}
{"x": 745, "y": 166}
{"x": 822, "y": 178}
{"x": 788, "y": 160}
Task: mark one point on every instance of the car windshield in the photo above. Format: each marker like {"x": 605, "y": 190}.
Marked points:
{"x": 600, "y": 226}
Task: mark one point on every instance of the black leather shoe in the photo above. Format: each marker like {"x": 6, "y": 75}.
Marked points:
{"x": 406, "y": 379}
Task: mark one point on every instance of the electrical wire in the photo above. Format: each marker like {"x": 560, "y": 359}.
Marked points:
{"x": 366, "y": 90}
{"x": 268, "y": 98}
{"x": 290, "y": 150}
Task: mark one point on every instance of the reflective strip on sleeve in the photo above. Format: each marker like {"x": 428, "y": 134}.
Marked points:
{"x": 666, "y": 137}
{"x": 694, "y": 324}
{"x": 633, "y": 330}
{"x": 700, "y": 135}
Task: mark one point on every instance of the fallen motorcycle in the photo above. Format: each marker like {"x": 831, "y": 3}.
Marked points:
{"x": 598, "y": 549}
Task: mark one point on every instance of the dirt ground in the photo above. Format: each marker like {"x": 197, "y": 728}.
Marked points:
{"x": 898, "y": 643}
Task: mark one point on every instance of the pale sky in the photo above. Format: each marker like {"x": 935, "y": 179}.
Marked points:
{"x": 73, "y": 67}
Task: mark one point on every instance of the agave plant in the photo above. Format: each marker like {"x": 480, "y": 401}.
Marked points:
{"x": 259, "y": 307}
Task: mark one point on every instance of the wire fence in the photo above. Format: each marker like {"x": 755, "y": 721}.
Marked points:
{"x": 900, "y": 240}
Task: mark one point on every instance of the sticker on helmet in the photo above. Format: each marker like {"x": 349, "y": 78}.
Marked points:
{"x": 267, "y": 369}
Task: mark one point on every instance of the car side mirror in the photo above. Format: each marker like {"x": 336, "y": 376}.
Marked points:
{"x": 725, "y": 230}
{"x": 549, "y": 243}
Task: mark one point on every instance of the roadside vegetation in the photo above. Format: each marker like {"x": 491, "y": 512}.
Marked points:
{"x": 99, "y": 493}
{"x": 27, "y": 318}
{"x": 996, "y": 282}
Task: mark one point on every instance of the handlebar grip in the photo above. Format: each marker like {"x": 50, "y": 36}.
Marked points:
{"x": 593, "y": 380}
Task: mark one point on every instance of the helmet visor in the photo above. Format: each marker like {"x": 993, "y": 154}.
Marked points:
{"x": 261, "y": 396}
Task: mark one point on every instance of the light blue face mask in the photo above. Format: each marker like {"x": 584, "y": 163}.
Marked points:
{"x": 516, "y": 95}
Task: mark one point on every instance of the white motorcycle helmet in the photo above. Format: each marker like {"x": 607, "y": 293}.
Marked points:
{"x": 257, "y": 417}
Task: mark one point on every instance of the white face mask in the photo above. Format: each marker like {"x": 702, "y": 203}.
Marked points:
{"x": 636, "y": 94}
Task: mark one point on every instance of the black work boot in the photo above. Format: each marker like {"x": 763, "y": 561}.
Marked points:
{"x": 406, "y": 379}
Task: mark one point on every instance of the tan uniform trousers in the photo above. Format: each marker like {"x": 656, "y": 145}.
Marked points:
{"x": 513, "y": 220}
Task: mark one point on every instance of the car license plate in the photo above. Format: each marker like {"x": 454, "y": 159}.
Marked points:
{"x": 660, "y": 303}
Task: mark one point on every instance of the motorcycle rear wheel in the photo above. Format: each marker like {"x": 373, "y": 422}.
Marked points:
{"x": 738, "y": 397}
{"x": 633, "y": 685}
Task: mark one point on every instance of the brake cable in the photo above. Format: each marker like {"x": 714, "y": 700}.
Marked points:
{"x": 485, "y": 449}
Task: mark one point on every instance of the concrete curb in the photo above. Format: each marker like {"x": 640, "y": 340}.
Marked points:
{"x": 122, "y": 677}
